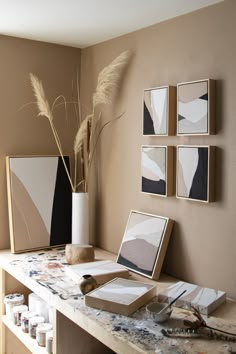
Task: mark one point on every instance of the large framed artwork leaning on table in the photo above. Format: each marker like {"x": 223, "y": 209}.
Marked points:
{"x": 39, "y": 202}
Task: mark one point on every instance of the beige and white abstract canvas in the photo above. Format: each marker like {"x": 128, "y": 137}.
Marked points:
{"x": 144, "y": 243}
{"x": 204, "y": 299}
{"x": 195, "y": 107}
{"x": 39, "y": 199}
{"x": 155, "y": 114}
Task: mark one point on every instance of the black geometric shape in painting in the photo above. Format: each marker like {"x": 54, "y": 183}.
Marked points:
{"x": 200, "y": 179}
{"x": 204, "y": 97}
{"x": 62, "y": 207}
{"x": 125, "y": 262}
{"x": 180, "y": 117}
{"x": 156, "y": 187}
{"x": 148, "y": 128}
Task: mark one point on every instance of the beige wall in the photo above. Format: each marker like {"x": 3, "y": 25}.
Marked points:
{"x": 21, "y": 131}
{"x": 195, "y": 46}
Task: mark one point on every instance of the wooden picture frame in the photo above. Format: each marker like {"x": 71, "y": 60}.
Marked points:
{"x": 144, "y": 243}
{"x": 196, "y": 107}
{"x": 195, "y": 167}
{"x": 159, "y": 111}
{"x": 39, "y": 202}
{"x": 121, "y": 296}
{"x": 157, "y": 170}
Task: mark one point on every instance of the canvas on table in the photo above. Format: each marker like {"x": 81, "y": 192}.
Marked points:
{"x": 195, "y": 107}
{"x": 39, "y": 202}
{"x": 144, "y": 243}
{"x": 159, "y": 110}
{"x": 102, "y": 271}
{"x": 195, "y": 167}
{"x": 121, "y": 296}
{"x": 157, "y": 163}
{"x": 205, "y": 300}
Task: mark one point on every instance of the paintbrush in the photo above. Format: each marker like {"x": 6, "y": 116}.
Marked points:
{"x": 171, "y": 303}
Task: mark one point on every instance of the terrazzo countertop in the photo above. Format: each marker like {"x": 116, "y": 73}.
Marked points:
{"x": 43, "y": 272}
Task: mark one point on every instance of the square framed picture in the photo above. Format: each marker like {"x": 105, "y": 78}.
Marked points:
{"x": 196, "y": 107}
{"x": 157, "y": 164}
{"x": 121, "y": 296}
{"x": 144, "y": 243}
{"x": 159, "y": 111}
{"x": 195, "y": 167}
{"x": 39, "y": 202}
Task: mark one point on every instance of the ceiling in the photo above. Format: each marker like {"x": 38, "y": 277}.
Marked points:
{"x": 81, "y": 23}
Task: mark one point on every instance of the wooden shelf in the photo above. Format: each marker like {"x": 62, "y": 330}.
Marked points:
{"x": 25, "y": 338}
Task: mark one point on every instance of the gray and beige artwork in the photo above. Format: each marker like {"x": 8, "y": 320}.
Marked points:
{"x": 153, "y": 163}
{"x": 141, "y": 243}
{"x": 204, "y": 299}
{"x": 121, "y": 291}
{"x": 193, "y": 172}
{"x": 155, "y": 111}
{"x": 39, "y": 202}
{"x": 193, "y": 108}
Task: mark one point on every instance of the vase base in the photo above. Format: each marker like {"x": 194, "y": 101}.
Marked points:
{"x": 79, "y": 253}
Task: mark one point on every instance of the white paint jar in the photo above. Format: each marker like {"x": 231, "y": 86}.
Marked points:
{"x": 10, "y": 301}
{"x": 33, "y": 324}
{"x": 25, "y": 317}
{"x": 17, "y": 312}
{"x": 38, "y": 305}
{"x": 49, "y": 342}
{"x": 41, "y": 331}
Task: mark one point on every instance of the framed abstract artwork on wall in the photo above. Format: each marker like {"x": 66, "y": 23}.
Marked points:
{"x": 195, "y": 169}
{"x": 144, "y": 243}
{"x": 157, "y": 165}
{"x": 159, "y": 111}
{"x": 196, "y": 107}
{"x": 39, "y": 202}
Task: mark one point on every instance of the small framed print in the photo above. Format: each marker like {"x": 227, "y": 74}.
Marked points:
{"x": 144, "y": 243}
{"x": 157, "y": 164}
{"x": 196, "y": 107}
{"x": 159, "y": 111}
{"x": 195, "y": 167}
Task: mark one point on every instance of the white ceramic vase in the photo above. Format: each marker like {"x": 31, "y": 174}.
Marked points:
{"x": 80, "y": 219}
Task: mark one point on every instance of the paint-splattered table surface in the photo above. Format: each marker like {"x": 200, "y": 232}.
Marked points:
{"x": 43, "y": 272}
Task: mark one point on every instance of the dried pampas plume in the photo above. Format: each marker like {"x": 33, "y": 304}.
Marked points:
{"x": 108, "y": 82}
{"x": 42, "y": 103}
{"x": 108, "y": 79}
{"x": 44, "y": 110}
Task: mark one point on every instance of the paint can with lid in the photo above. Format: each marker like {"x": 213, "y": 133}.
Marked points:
{"x": 41, "y": 331}
{"x": 33, "y": 324}
{"x": 17, "y": 313}
{"x": 49, "y": 342}
{"x": 25, "y": 317}
{"x": 10, "y": 301}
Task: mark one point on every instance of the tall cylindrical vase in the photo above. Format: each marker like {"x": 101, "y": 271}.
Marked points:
{"x": 80, "y": 219}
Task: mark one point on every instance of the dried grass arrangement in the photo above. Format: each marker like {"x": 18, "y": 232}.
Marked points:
{"x": 89, "y": 129}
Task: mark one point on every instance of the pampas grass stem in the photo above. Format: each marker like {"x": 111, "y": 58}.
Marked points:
{"x": 107, "y": 84}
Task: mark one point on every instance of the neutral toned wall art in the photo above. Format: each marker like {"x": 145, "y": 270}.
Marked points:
{"x": 195, "y": 167}
{"x": 39, "y": 201}
{"x": 144, "y": 243}
{"x": 159, "y": 111}
{"x": 121, "y": 296}
{"x": 157, "y": 164}
{"x": 196, "y": 107}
